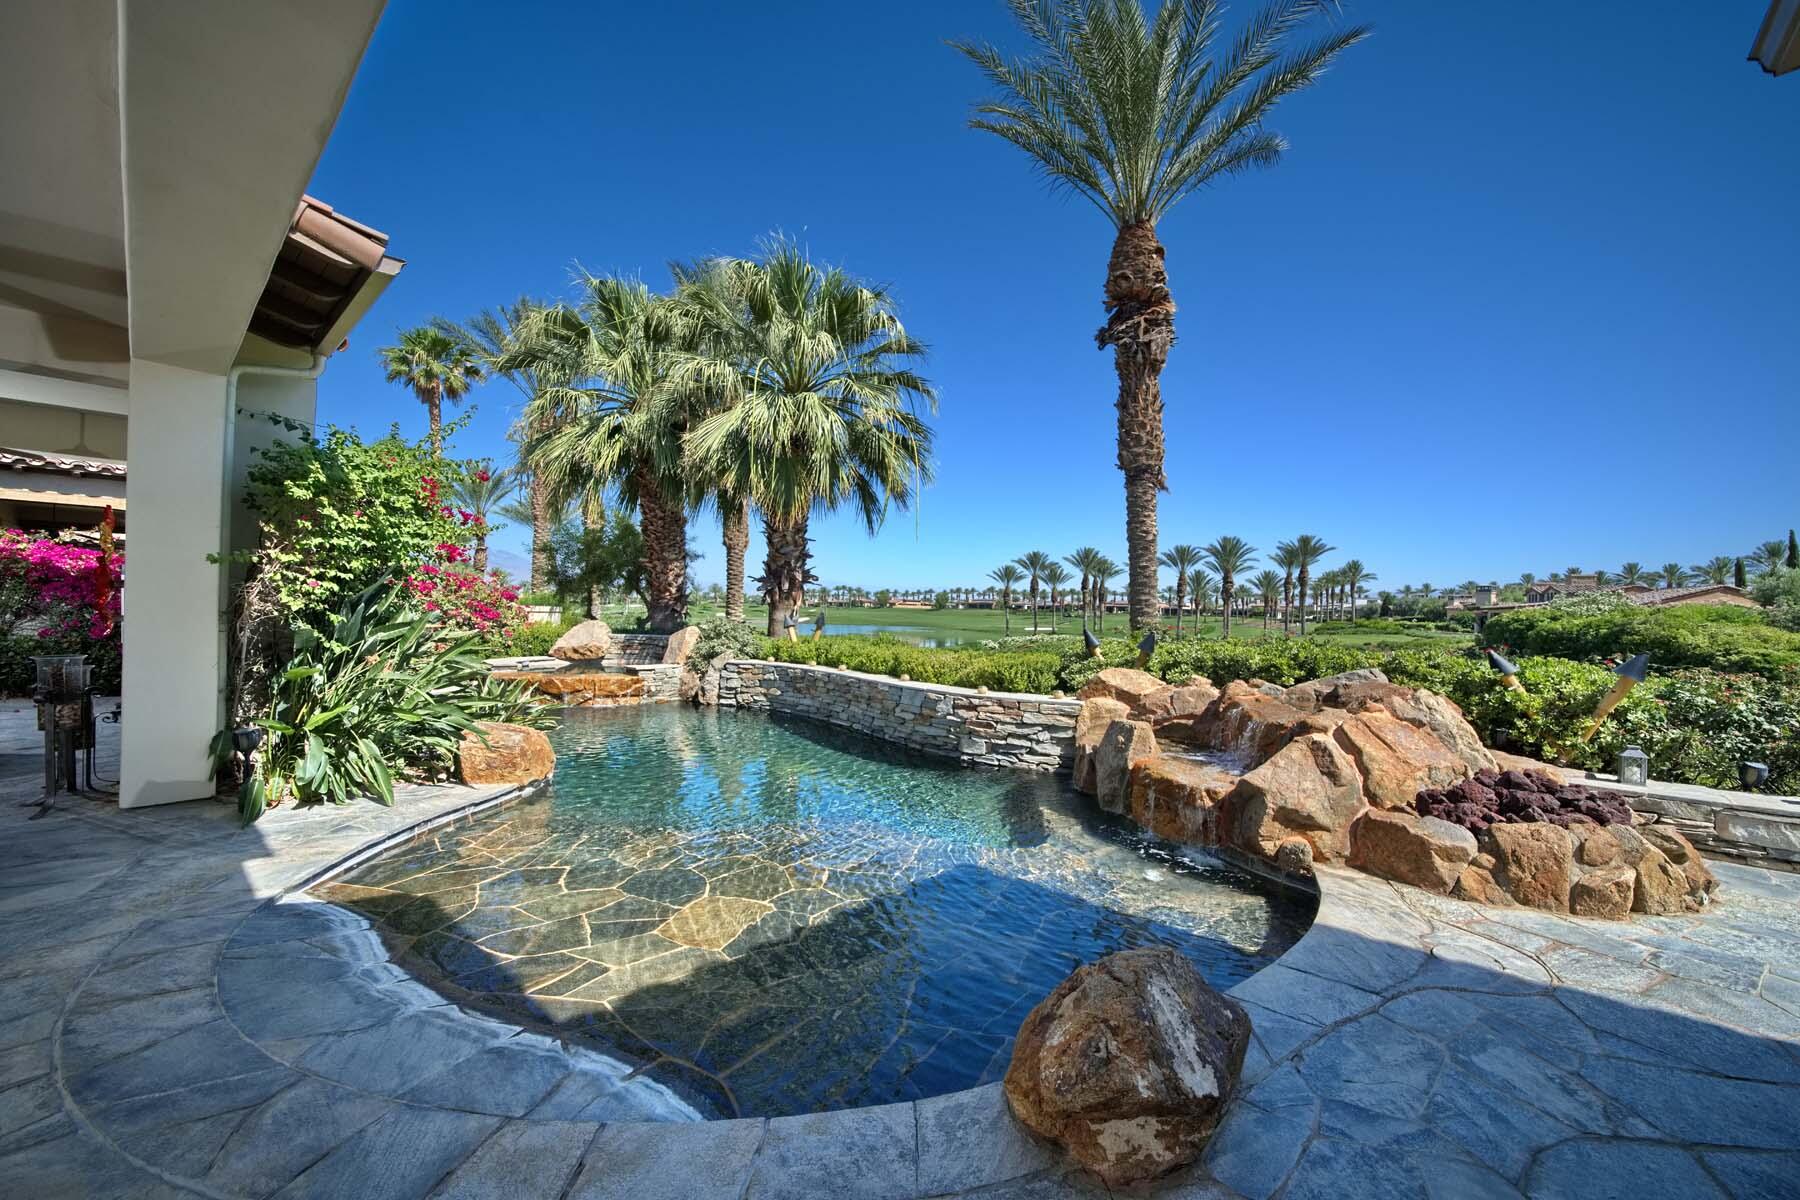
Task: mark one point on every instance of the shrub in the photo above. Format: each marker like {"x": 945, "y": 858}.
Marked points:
{"x": 721, "y": 635}
{"x": 994, "y": 669}
{"x": 534, "y": 638}
{"x": 382, "y": 693}
{"x": 1282, "y": 661}
{"x": 1718, "y": 637}
{"x": 68, "y": 601}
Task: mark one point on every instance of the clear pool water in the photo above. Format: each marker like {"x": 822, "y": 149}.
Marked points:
{"x": 775, "y": 917}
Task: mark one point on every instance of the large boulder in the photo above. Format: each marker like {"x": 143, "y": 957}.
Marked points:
{"x": 1431, "y": 713}
{"x": 1125, "y": 744}
{"x": 1090, "y": 726}
{"x": 1251, "y": 722}
{"x": 1678, "y": 850}
{"x": 499, "y": 753}
{"x": 1322, "y": 693}
{"x": 1534, "y": 862}
{"x": 1397, "y": 760}
{"x": 1310, "y": 788}
{"x": 1128, "y": 1064}
{"x": 710, "y": 679}
{"x": 1425, "y": 852}
{"x": 1177, "y": 798}
{"x": 1603, "y": 892}
{"x": 587, "y": 642}
{"x": 1141, "y": 692}
{"x": 681, "y": 644}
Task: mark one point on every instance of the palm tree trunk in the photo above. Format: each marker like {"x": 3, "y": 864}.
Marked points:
{"x": 1180, "y": 603}
{"x": 1303, "y": 579}
{"x": 665, "y": 554}
{"x": 785, "y": 574}
{"x": 1287, "y": 603}
{"x": 1140, "y": 327}
{"x": 1225, "y": 590}
{"x": 481, "y": 553}
{"x": 542, "y": 528}
{"x": 434, "y": 415}
{"x": 735, "y": 523}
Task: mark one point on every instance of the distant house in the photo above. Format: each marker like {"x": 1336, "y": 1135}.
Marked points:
{"x": 1546, "y": 590}
{"x": 910, "y": 604}
{"x": 1701, "y": 593}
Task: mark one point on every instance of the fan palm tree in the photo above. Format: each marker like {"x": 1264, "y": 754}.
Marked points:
{"x": 1180, "y": 559}
{"x": 1769, "y": 555}
{"x": 1268, "y": 591}
{"x": 1714, "y": 570}
{"x": 1084, "y": 560}
{"x": 1355, "y": 575}
{"x": 1033, "y": 563}
{"x": 1133, "y": 113}
{"x": 1008, "y": 576}
{"x": 1307, "y": 551}
{"x": 605, "y": 418}
{"x": 483, "y": 492}
{"x": 1673, "y": 575}
{"x": 437, "y": 367}
{"x": 1105, "y": 571}
{"x": 1527, "y": 578}
{"x": 1055, "y": 575}
{"x": 1631, "y": 573}
{"x": 1229, "y": 556}
{"x": 1285, "y": 558}
{"x": 821, "y": 409}
{"x": 495, "y": 333}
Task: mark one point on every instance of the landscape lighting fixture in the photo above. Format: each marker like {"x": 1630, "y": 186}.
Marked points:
{"x": 819, "y": 625}
{"x": 1631, "y": 672}
{"x": 1634, "y": 766}
{"x": 791, "y": 625}
{"x": 1090, "y": 641}
{"x": 1509, "y": 671}
{"x": 1753, "y": 775}
{"x": 1146, "y": 648}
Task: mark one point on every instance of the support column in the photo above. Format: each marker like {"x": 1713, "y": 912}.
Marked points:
{"x": 178, "y": 445}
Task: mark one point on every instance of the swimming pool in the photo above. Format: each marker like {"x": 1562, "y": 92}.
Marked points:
{"x": 775, "y": 917}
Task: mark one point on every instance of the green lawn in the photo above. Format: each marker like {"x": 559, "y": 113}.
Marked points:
{"x": 974, "y": 624}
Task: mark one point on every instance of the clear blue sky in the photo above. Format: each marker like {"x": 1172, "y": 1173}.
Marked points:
{"x": 1523, "y": 294}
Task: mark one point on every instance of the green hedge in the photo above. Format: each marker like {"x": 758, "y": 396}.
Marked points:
{"x": 1718, "y": 637}
{"x": 999, "y": 670}
{"x": 536, "y": 638}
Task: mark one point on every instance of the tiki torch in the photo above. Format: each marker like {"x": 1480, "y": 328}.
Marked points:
{"x": 1631, "y": 672}
{"x": 819, "y": 625}
{"x": 1146, "y": 648}
{"x": 1090, "y": 641}
{"x": 1509, "y": 671}
{"x": 792, "y": 625}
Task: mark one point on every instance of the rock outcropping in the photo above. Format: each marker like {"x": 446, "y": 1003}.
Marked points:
{"x": 1128, "y": 1064}
{"x": 586, "y": 642}
{"x": 503, "y": 753}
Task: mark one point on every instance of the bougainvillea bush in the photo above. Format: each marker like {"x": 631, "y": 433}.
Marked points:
{"x": 457, "y": 595}
{"x": 57, "y": 598}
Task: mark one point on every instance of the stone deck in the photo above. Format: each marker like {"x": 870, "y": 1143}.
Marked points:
{"x": 169, "y": 1027}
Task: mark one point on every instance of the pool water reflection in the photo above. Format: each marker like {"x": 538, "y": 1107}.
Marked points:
{"x": 775, "y": 917}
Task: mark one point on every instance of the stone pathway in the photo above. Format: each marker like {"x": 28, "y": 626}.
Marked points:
{"x": 169, "y": 1029}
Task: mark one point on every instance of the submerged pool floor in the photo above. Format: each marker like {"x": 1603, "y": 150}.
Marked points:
{"x": 775, "y": 917}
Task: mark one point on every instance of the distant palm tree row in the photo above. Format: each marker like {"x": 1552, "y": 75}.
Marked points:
{"x": 1721, "y": 568}
{"x": 771, "y": 385}
{"x": 1218, "y": 571}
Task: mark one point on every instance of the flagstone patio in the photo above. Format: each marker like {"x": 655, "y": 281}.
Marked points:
{"x": 171, "y": 1026}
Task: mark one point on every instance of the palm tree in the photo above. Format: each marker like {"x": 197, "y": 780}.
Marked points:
{"x": 1055, "y": 575}
{"x": 1769, "y": 555}
{"x": 1285, "y": 558}
{"x": 1307, "y": 551}
{"x": 1200, "y": 584}
{"x": 1180, "y": 559}
{"x": 1134, "y": 113}
{"x": 1084, "y": 560}
{"x": 1714, "y": 570}
{"x": 606, "y": 418}
{"x": 1673, "y": 575}
{"x": 1229, "y": 556}
{"x": 1033, "y": 564}
{"x": 1268, "y": 590}
{"x": 1008, "y": 577}
{"x": 482, "y": 493}
{"x": 1355, "y": 575}
{"x": 495, "y": 333}
{"x": 1104, "y": 572}
{"x": 1527, "y": 578}
{"x": 822, "y": 408}
{"x": 1630, "y": 573}
{"x": 437, "y": 367}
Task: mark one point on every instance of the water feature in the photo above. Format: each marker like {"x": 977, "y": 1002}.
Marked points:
{"x": 776, "y": 917}
{"x": 930, "y": 639}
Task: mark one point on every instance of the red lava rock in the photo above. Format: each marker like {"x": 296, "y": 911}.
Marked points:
{"x": 1521, "y": 797}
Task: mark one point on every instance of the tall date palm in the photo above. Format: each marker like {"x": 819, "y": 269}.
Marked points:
{"x": 1033, "y": 564}
{"x": 1055, "y": 575}
{"x": 1008, "y": 576}
{"x": 1287, "y": 559}
{"x": 1084, "y": 560}
{"x": 1229, "y": 556}
{"x": 1307, "y": 551}
{"x": 1134, "y": 113}
{"x": 1181, "y": 560}
{"x": 1268, "y": 591}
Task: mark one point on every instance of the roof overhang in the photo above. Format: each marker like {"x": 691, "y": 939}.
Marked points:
{"x": 329, "y": 271}
{"x": 1777, "y": 45}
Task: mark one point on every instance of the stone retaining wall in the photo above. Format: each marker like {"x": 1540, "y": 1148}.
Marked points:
{"x": 996, "y": 729}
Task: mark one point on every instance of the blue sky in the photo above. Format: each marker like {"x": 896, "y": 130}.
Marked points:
{"x": 1522, "y": 295}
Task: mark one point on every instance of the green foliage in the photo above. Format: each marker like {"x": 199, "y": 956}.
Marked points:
{"x": 1776, "y": 586}
{"x": 377, "y": 694}
{"x": 941, "y": 601}
{"x": 338, "y": 514}
{"x": 1001, "y": 671}
{"x": 1718, "y": 637}
{"x": 1285, "y": 662}
{"x": 534, "y": 639}
{"x": 604, "y": 557}
{"x": 1589, "y": 603}
{"x": 721, "y": 635}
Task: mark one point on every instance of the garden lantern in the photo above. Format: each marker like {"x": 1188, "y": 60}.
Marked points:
{"x": 1090, "y": 641}
{"x": 819, "y": 625}
{"x": 60, "y": 692}
{"x": 1509, "y": 671}
{"x": 1146, "y": 648}
{"x": 1753, "y": 775}
{"x": 1634, "y": 766}
{"x": 1630, "y": 673}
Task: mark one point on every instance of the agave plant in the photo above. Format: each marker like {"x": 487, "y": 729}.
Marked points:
{"x": 389, "y": 690}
